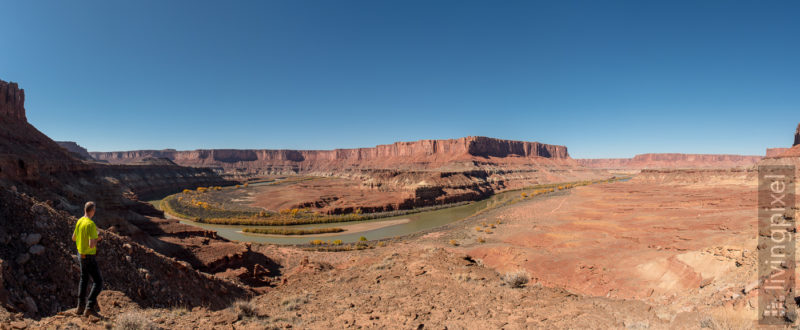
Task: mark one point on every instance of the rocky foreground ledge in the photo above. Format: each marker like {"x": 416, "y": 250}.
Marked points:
{"x": 40, "y": 275}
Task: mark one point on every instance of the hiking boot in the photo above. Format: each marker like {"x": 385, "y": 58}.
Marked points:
{"x": 80, "y": 309}
{"x": 92, "y": 311}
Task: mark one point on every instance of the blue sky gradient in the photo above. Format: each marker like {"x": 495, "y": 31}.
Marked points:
{"x": 606, "y": 79}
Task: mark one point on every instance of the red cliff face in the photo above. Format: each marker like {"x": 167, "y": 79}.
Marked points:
{"x": 39, "y": 166}
{"x": 423, "y": 154}
{"x": 775, "y": 152}
{"x": 672, "y": 160}
{"x": 75, "y": 149}
{"x": 12, "y": 102}
{"x": 797, "y": 136}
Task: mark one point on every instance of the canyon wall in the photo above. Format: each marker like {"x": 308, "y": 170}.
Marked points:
{"x": 155, "y": 181}
{"x": 75, "y": 149}
{"x": 25, "y": 153}
{"x": 32, "y": 163}
{"x": 774, "y": 152}
{"x": 12, "y": 102}
{"x": 672, "y": 160}
{"x": 424, "y": 154}
{"x": 430, "y": 172}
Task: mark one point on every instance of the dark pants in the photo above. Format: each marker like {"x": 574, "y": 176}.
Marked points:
{"x": 89, "y": 269}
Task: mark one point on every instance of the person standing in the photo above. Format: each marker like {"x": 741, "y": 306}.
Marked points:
{"x": 85, "y": 238}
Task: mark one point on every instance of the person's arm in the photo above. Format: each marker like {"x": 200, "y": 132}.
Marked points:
{"x": 93, "y": 238}
{"x": 75, "y": 238}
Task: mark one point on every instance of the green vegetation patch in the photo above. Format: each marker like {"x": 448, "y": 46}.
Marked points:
{"x": 290, "y": 231}
{"x": 211, "y": 205}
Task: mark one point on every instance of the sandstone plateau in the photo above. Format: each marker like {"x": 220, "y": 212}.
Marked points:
{"x": 466, "y": 153}
{"x": 671, "y": 160}
{"x": 401, "y": 175}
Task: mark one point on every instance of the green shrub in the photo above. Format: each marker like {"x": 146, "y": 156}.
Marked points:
{"x": 290, "y": 231}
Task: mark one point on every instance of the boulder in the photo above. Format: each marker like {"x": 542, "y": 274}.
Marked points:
{"x": 23, "y": 258}
{"x": 32, "y": 239}
{"x": 36, "y": 250}
{"x": 30, "y": 305}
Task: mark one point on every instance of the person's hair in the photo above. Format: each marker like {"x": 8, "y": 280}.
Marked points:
{"x": 89, "y": 207}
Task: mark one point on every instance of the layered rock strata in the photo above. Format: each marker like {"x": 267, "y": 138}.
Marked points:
{"x": 672, "y": 160}
{"x": 423, "y": 154}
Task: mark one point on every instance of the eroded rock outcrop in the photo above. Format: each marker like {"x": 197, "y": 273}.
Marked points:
{"x": 75, "y": 149}
{"x": 31, "y": 164}
{"x": 35, "y": 164}
{"x": 39, "y": 275}
{"x": 12, "y": 102}
{"x": 797, "y": 136}
{"x": 774, "y": 152}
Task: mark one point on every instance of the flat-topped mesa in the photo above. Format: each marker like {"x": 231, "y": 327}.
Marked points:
{"x": 424, "y": 153}
{"x": 12, "y": 102}
{"x": 490, "y": 147}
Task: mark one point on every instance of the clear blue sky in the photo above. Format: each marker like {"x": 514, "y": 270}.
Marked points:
{"x": 606, "y": 79}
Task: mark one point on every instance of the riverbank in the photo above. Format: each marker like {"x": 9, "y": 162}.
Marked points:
{"x": 348, "y": 229}
{"x": 385, "y": 228}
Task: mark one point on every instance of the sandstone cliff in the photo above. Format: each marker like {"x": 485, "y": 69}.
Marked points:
{"x": 797, "y": 136}
{"x": 12, "y": 102}
{"x": 76, "y": 150}
{"x": 792, "y": 152}
{"x": 429, "y": 172}
{"x": 34, "y": 164}
{"x": 774, "y": 152}
{"x": 31, "y": 164}
{"x": 672, "y": 160}
{"x": 156, "y": 181}
{"x": 457, "y": 154}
